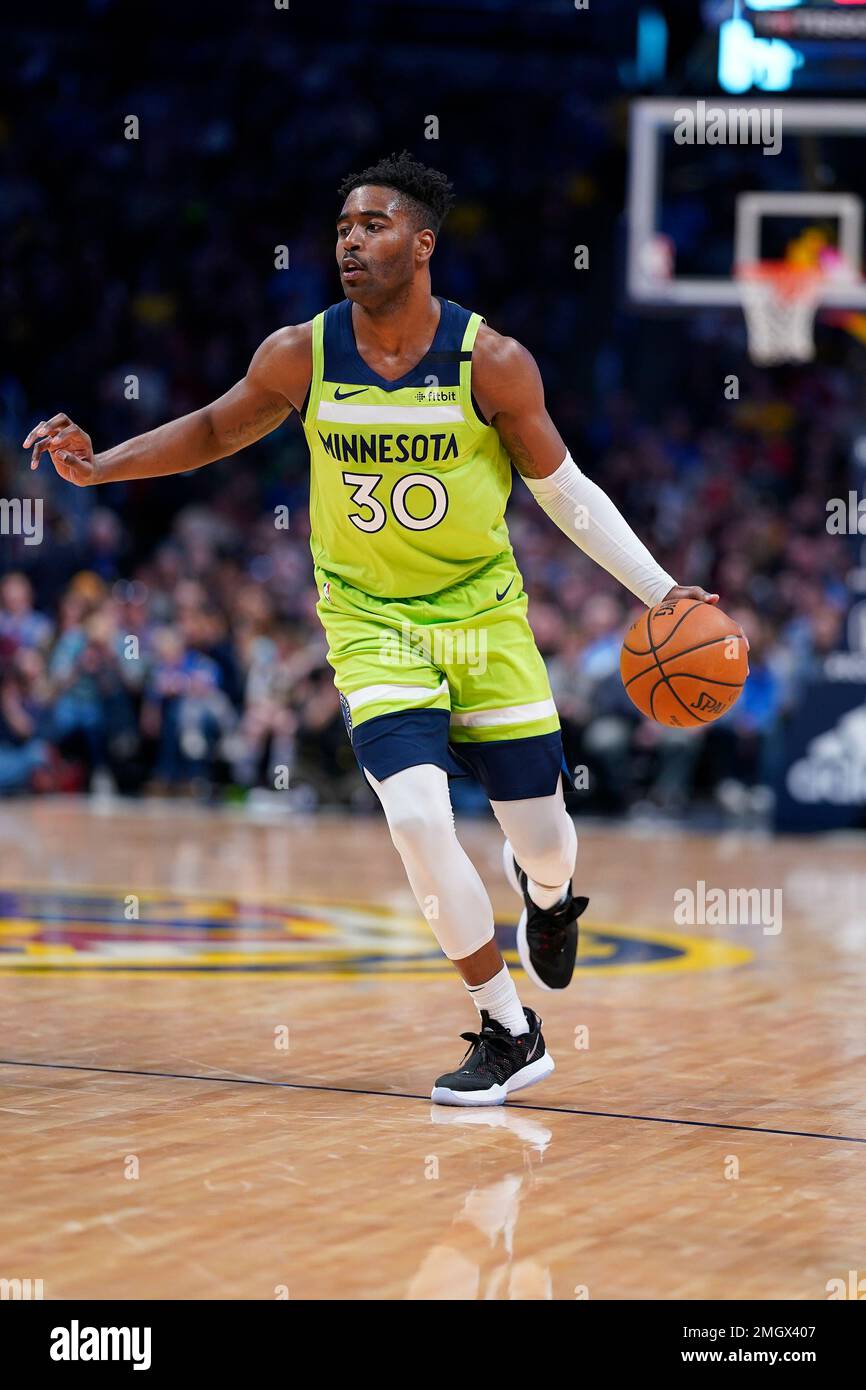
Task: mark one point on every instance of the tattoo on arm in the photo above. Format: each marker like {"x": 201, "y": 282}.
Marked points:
{"x": 519, "y": 454}
{"x": 266, "y": 418}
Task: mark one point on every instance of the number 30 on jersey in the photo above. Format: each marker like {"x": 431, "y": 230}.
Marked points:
{"x": 365, "y": 485}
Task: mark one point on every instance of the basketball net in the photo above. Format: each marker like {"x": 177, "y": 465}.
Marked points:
{"x": 779, "y": 302}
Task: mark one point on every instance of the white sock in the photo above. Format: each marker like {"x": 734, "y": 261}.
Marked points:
{"x": 547, "y": 897}
{"x": 499, "y": 998}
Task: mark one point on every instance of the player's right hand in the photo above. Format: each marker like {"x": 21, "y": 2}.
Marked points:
{"x": 68, "y": 446}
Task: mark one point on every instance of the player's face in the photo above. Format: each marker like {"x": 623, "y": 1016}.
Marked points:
{"x": 376, "y": 245}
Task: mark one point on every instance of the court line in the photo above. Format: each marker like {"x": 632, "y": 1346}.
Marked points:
{"x": 411, "y": 1095}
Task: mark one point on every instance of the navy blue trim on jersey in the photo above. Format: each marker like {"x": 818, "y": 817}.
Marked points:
{"x": 392, "y": 742}
{"x": 508, "y": 769}
{"x": 567, "y": 775}
{"x": 515, "y": 768}
{"x": 343, "y": 364}
{"x": 477, "y": 408}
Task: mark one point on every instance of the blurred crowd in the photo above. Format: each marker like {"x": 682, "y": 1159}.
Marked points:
{"x": 200, "y": 667}
{"x": 190, "y": 677}
{"x": 162, "y": 637}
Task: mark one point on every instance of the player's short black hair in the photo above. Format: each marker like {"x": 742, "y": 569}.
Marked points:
{"x": 427, "y": 189}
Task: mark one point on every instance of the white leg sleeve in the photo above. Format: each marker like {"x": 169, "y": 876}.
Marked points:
{"x": 446, "y": 884}
{"x": 542, "y": 836}
{"x": 590, "y": 519}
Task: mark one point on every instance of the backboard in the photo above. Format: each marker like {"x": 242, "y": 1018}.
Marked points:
{"x": 717, "y": 184}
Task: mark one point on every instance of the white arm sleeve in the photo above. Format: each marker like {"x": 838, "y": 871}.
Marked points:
{"x": 589, "y": 518}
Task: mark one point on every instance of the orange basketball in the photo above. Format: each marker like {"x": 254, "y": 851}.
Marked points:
{"x": 684, "y": 663}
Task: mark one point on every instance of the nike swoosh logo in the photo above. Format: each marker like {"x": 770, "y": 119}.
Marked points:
{"x": 534, "y": 1049}
{"x": 344, "y": 395}
{"x": 501, "y": 596}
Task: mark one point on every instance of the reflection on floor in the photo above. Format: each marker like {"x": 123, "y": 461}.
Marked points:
{"x": 219, "y": 1038}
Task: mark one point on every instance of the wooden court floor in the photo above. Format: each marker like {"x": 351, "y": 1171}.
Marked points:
{"x": 219, "y": 1036}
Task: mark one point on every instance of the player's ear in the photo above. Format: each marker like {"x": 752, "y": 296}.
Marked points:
{"x": 424, "y": 243}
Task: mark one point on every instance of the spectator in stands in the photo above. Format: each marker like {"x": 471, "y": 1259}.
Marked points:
{"x": 20, "y": 624}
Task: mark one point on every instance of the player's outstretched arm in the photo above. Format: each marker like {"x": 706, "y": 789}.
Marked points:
{"x": 276, "y": 381}
{"x": 509, "y": 390}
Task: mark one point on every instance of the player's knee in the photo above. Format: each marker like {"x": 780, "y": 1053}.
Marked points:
{"x": 417, "y": 807}
{"x": 551, "y": 868}
{"x": 551, "y": 857}
{"x": 419, "y": 824}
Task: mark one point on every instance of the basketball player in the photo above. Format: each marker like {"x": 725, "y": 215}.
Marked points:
{"x": 414, "y": 410}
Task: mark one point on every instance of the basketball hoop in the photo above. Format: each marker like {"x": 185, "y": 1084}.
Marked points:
{"x": 779, "y": 302}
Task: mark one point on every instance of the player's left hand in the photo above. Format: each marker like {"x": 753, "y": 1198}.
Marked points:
{"x": 689, "y": 591}
{"x": 695, "y": 591}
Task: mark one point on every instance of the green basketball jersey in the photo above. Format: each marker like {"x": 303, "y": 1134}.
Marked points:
{"x": 408, "y": 483}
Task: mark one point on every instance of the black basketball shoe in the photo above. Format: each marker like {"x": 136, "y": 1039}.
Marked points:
{"x": 546, "y": 936}
{"x": 495, "y": 1064}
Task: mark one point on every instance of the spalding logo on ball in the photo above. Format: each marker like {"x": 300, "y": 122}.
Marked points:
{"x": 684, "y": 663}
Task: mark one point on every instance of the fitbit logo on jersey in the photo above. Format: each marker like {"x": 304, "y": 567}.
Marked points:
{"x": 432, "y": 394}
{"x": 390, "y": 448}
